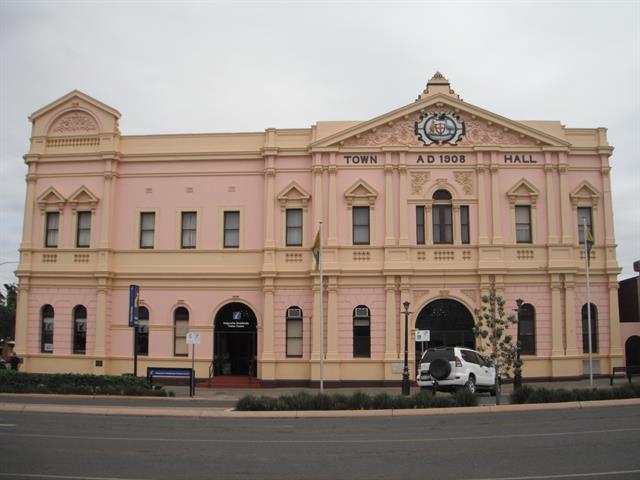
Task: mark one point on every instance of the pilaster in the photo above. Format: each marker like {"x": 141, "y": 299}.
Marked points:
{"x": 483, "y": 238}
{"x": 552, "y": 227}
{"x": 570, "y": 315}
{"x": 391, "y": 309}
{"x": 332, "y": 318}
{"x": 557, "y": 349}
{"x": 389, "y": 237}
{"x": 565, "y": 207}
{"x": 315, "y": 322}
{"x": 22, "y": 320}
{"x": 404, "y": 203}
{"x": 100, "y": 349}
{"x": 317, "y": 190}
{"x": 332, "y": 240}
{"x": 27, "y": 227}
{"x": 496, "y": 206}
{"x": 608, "y": 206}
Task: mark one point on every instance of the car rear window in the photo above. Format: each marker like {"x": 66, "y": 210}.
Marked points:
{"x": 431, "y": 355}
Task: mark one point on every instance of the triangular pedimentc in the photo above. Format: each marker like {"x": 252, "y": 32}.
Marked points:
{"x": 83, "y": 197}
{"x": 74, "y": 94}
{"x": 293, "y": 195}
{"x": 51, "y": 198}
{"x": 397, "y": 128}
{"x": 585, "y": 193}
{"x": 523, "y": 190}
{"x": 361, "y": 192}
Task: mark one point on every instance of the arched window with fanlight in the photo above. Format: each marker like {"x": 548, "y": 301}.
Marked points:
{"x": 442, "y": 217}
{"x": 527, "y": 329}
{"x": 46, "y": 329}
{"x": 594, "y": 329}
{"x": 79, "y": 329}
{"x": 361, "y": 331}
{"x": 294, "y": 332}
{"x": 142, "y": 337}
{"x": 181, "y": 327}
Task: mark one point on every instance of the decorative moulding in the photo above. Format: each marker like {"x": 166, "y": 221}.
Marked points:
{"x": 361, "y": 193}
{"x": 466, "y": 180}
{"x": 73, "y": 123}
{"x": 83, "y": 197}
{"x": 51, "y": 198}
{"x": 585, "y": 193}
{"x": 524, "y": 191}
{"x": 293, "y": 195}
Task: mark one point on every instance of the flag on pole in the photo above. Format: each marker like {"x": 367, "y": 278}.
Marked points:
{"x": 316, "y": 250}
{"x": 588, "y": 241}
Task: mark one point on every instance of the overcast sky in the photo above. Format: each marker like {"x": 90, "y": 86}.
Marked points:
{"x": 172, "y": 67}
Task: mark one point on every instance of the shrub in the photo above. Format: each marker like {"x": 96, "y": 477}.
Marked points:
{"x": 528, "y": 394}
{"x": 70, "y": 383}
{"x": 464, "y": 398}
{"x": 383, "y": 401}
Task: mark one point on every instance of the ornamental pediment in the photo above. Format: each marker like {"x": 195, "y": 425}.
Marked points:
{"x": 83, "y": 197}
{"x": 51, "y": 198}
{"x": 585, "y": 193}
{"x": 523, "y": 190}
{"x": 361, "y": 193}
{"x": 436, "y": 121}
{"x": 293, "y": 195}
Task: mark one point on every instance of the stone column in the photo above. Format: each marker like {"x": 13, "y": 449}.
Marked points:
{"x": 557, "y": 349}
{"x": 391, "y": 319}
{"x": 270, "y": 176}
{"x": 105, "y": 224}
{"x": 496, "y": 207}
{"x": 552, "y": 227}
{"x": 483, "y": 237}
{"x": 615, "y": 348}
{"x": 457, "y": 238}
{"x": 608, "y": 206}
{"x": 317, "y": 191}
{"x": 404, "y": 201}
{"x": 268, "y": 321}
{"x": 389, "y": 217}
{"x": 332, "y": 318}
{"x": 22, "y": 319}
{"x": 29, "y": 206}
{"x": 100, "y": 349}
{"x": 570, "y": 315}
{"x": 565, "y": 207}
{"x": 332, "y": 241}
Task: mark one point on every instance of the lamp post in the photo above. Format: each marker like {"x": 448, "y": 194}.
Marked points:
{"x": 406, "y": 386}
{"x": 517, "y": 377}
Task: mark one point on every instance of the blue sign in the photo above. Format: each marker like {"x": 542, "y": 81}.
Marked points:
{"x": 134, "y": 295}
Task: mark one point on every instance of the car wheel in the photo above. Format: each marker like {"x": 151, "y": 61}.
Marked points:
{"x": 440, "y": 368}
{"x": 492, "y": 392}
{"x": 471, "y": 384}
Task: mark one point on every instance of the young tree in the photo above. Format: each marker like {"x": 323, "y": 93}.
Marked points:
{"x": 8, "y": 311}
{"x": 491, "y": 327}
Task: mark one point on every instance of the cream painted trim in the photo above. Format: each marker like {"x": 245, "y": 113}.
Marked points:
{"x": 139, "y": 212}
{"x": 534, "y": 222}
{"x": 221, "y": 211}
{"x": 591, "y": 199}
{"x": 74, "y": 220}
{"x": 43, "y": 227}
{"x": 179, "y": 212}
{"x": 283, "y": 229}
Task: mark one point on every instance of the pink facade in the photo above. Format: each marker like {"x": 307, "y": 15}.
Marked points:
{"x": 232, "y": 219}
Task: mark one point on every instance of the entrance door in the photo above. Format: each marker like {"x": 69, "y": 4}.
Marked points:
{"x": 450, "y": 324}
{"x": 235, "y": 341}
{"x": 632, "y": 351}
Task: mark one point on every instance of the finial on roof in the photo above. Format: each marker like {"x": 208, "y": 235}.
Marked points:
{"x": 438, "y": 84}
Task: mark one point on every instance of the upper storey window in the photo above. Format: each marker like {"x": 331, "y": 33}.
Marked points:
{"x": 585, "y": 217}
{"x": 231, "y": 229}
{"x": 83, "y": 230}
{"x": 189, "y": 226}
{"x": 442, "y": 217}
{"x": 147, "y": 229}
{"x": 294, "y": 227}
{"x": 523, "y": 224}
{"x": 361, "y": 226}
{"x": 52, "y": 229}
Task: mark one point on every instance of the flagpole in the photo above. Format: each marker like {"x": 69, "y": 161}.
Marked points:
{"x": 321, "y": 315}
{"x": 586, "y": 266}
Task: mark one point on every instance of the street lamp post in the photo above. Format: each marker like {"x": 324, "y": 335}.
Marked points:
{"x": 406, "y": 386}
{"x": 517, "y": 377}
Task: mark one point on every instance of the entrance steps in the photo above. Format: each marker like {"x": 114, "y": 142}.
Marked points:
{"x": 229, "y": 381}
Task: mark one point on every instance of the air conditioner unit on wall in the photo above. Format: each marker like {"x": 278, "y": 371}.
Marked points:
{"x": 294, "y": 313}
{"x": 362, "y": 312}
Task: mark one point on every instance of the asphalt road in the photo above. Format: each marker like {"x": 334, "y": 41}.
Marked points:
{"x": 582, "y": 443}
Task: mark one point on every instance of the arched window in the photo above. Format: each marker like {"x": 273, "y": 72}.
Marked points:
{"x": 79, "y": 329}
{"x": 442, "y": 217}
{"x": 46, "y": 333}
{"x": 361, "y": 331}
{"x": 594, "y": 329}
{"x": 527, "y": 329}
{"x": 294, "y": 332}
{"x": 142, "y": 339}
{"x": 181, "y": 327}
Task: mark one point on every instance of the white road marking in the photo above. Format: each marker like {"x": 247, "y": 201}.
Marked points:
{"x": 566, "y": 475}
{"x": 59, "y": 477}
{"x": 318, "y": 441}
{"x": 7, "y": 424}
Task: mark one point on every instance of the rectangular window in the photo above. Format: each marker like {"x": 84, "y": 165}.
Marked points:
{"x": 180, "y": 339}
{"x": 231, "y": 229}
{"x": 360, "y": 225}
{"x": 83, "y": 234}
{"x": 465, "y": 237}
{"x": 147, "y": 229}
{"x": 523, "y": 224}
{"x": 53, "y": 225}
{"x": 294, "y": 337}
{"x": 420, "y": 240}
{"x": 584, "y": 216}
{"x": 442, "y": 224}
{"x": 294, "y": 227}
{"x": 189, "y": 224}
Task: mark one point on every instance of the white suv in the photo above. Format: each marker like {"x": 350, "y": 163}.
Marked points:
{"x": 453, "y": 368}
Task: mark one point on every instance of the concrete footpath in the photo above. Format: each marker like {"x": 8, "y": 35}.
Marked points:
{"x": 220, "y": 402}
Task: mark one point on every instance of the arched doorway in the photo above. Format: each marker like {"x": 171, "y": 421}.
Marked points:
{"x": 235, "y": 340}
{"x": 450, "y": 324}
{"x": 632, "y": 351}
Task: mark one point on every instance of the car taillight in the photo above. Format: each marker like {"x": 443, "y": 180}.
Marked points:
{"x": 458, "y": 361}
